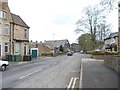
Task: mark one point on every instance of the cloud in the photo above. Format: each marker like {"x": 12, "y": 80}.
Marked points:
{"x": 64, "y": 19}
{"x": 46, "y": 17}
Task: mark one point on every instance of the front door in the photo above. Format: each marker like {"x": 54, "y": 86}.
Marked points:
{"x": 34, "y": 53}
{"x": 25, "y": 50}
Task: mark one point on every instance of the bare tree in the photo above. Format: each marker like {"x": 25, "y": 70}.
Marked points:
{"x": 93, "y": 16}
{"x": 103, "y": 31}
{"x": 92, "y": 21}
{"x": 108, "y": 4}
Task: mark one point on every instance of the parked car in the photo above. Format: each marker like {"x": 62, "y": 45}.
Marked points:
{"x": 97, "y": 50}
{"x": 69, "y": 53}
{"x": 3, "y": 65}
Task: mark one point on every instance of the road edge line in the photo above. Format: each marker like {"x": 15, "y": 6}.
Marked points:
{"x": 81, "y": 73}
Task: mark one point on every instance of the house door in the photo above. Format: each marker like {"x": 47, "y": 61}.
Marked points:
{"x": 34, "y": 53}
{"x": 25, "y": 50}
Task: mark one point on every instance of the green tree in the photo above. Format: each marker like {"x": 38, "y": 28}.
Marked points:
{"x": 85, "y": 42}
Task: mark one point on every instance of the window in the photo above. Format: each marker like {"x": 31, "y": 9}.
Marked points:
{"x": 17, "y": 48}
{"x": 6, "y": 47}
{"x": 3, "y": 15}
{"x": 25, "y": 35}
{"x": 6, "y": 29}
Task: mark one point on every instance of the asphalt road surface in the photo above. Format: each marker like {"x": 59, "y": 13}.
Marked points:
{"x": 51, "y": 72}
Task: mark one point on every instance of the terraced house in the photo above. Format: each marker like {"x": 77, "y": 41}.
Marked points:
{"x": 14, "y": 33}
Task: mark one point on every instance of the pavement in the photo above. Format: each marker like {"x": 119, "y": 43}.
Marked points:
{"x": 95, "y": 74}
{"x": 16, "y": 63}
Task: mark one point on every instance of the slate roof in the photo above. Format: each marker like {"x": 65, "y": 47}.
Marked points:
{"x": 57, "y": 43}
{"x": 18, "y": 20}
{"x": 49, "y": 45}
{"x": 112, "y": 35}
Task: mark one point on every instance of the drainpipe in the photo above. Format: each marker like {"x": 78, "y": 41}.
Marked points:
{"x": 10, "y": 39}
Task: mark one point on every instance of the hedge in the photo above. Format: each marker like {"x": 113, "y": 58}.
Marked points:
{"x": 105, "y": 53}
{"x": 47, "y": 54}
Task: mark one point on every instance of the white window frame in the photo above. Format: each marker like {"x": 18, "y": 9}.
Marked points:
{"x": 17, "y": 50}
{"x": 6, "y": 45}
{"x": 4, "y": 15}
{"x": 6, "y": 29}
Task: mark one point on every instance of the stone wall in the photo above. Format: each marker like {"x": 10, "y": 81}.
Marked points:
{"x": 112, "y": 61}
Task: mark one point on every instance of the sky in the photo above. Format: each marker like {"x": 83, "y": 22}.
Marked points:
{"x": 54, "y": 19}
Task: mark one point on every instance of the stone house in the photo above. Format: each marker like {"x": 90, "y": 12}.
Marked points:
{"x": 50, "y": 47}
{"x": 19, "y": 36}
{"x": 57, "y": 43}
{"x": 5, "y": 19}
{"x": 14, "y": 33}
{"x": 42, "y": 48}
{"x": 111, "y": 43}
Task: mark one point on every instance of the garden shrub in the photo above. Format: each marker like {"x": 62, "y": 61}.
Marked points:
{"x": 105, "y": 53}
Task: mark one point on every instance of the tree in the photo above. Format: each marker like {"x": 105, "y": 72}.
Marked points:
{"x": 90, "y": 21}
{"x": 93, "y": 20}
{"x": 103, "y": 31}
{"x": 85, "y": 42}
{"x": 109, "y": 4}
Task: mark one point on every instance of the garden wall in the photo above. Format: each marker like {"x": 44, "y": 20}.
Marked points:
{"x": 112, "y": 61}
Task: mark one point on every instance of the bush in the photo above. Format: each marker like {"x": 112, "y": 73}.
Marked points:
{"x": 47, "y": 54}
{"x": 105, "y": 53}
{"x": 97, "y": 53}
{"x": 60, "y": 53}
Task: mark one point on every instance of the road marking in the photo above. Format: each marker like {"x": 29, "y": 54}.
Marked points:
{"x": 73, "y": 86}
{"x": 30, "y": 74}
{"x": 81, "y": 73}
{"x": 69, "y": 85}
{"x": 72, "y": 83}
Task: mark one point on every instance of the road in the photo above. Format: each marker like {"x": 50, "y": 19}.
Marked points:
{"x": 52, "y": 72}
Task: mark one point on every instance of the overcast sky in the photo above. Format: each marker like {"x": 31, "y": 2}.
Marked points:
{"x": 53, "y": 19}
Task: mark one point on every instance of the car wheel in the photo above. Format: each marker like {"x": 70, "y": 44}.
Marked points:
{"x": 3, "y": 67}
